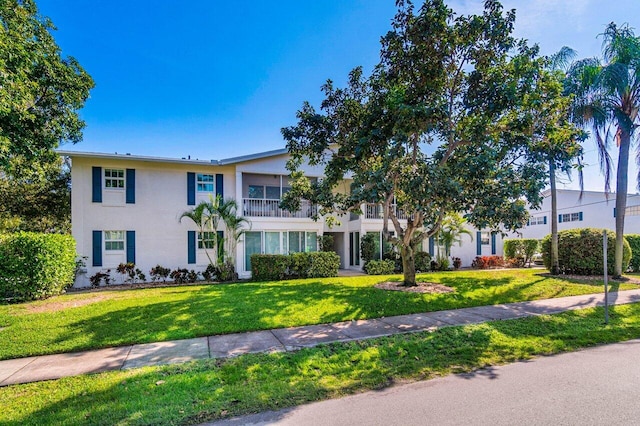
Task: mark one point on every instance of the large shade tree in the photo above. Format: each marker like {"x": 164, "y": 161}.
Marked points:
{"x": 41, "y": 91}
{"x": 607, "y": 97}
{"x": 437, "y": 128}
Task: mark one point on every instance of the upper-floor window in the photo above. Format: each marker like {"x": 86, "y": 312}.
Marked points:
{"x": 114, "y": 240}
{"x": 571, "y": 217}
{"x": 262, "y": 192}
{"x": 538, "y": 220}
{"x": 114, "y": 178}
{"x": 204, "y": 182}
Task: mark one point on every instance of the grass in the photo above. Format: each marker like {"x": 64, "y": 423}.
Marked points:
{"x": 84, "y": 321}
{"x": 194, "y": 392}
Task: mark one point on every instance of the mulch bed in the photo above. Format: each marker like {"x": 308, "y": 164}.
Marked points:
{"x": 420, "y": 288}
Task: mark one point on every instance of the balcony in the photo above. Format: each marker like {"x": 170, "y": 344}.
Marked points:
{"x": 374, "y": 211}
{"x": 255, "y": 207}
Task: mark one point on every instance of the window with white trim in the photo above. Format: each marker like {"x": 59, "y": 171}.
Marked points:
{"x": 114, "y": 240}
{"x": 570, "y": 217}
{"x": 204, "y": 182}
{"x": 537, "y": 220}
{"x": 485, "y": 238}
{"x": 206, "y": 240}
{"x": 114, "y": 178}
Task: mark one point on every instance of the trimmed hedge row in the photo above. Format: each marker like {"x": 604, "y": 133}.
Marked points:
{"x": 35, "y": 266}
{"x": 521, "y": 249}
{"x": 381, "y": 267}
{"x": 634, "y": 243}
{"x": 317, "y": 264}
{"x": 580, "y": 251}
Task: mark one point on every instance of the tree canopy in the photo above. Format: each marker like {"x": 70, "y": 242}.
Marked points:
{"x": 438, "y": 127}
{"x": 40, "y": 90}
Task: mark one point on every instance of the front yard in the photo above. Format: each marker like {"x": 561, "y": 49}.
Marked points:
{"x": 92, "y": 320}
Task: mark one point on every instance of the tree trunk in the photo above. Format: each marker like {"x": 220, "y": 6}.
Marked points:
{"x": 621, "y": 198}
{"x": 555, "y": 264}
{"x": 408, "y": 266}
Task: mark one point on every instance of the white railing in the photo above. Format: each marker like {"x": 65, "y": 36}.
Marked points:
{"x": 254, "y": 207}
{"x": 374, "y": 211}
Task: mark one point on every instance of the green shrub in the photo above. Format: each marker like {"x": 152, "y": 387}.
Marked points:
{"x": 35, "y": 266}
{"x": 299, "y": 264}
{"x": 269, "y": 266}
{"x": 326, "y": 242}
{"x": 323, "y": 264}
{"x": 368, "y": 247}
{"x": 380, "y": 267}
{"x": 580, "y": 251}
{"x": 634, "y": 243}
{"x": 521, "y": 249}
{"x": 422, "y": 260}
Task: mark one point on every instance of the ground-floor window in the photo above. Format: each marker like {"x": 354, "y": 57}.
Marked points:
{"x": 381, "y": 246}
{"x": 278, "y": 242}
{"x": 114, "y": 240}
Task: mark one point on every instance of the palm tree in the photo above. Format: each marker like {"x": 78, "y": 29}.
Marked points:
{"x": 201, "y": 216}
{"x": 451, "y": 232}
{"x": 608, "y": 93}
{"x": 235, "y": 225}
{"x": 560, "y": 140}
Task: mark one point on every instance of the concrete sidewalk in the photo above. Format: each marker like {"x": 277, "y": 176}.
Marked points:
{"x": 48, "y": 367}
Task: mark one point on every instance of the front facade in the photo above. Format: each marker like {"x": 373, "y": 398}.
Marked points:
{"x": 127, "y": 209}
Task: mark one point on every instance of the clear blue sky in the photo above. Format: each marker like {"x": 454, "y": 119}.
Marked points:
{"x": 216, "y": 79}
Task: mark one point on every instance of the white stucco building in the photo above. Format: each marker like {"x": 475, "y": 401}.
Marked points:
{"x": 127, "y": 208}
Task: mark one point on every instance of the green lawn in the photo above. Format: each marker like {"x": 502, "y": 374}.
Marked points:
{"x": 194, "y": 392}
{"x": 111, "y": 318}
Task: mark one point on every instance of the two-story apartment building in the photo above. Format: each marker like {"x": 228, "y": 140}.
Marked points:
{"x": 127, "y": 208}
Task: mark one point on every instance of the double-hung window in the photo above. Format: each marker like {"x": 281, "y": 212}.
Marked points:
{"x": 204, "y": 182}
{"x": 206, "y": 240}
{"x": 114, "y": 178}
{"x": 485, "y": 238}
{"x": 570, "y": 217}
{"x": 114, "y": 240}
{"x": 537, "y": 220}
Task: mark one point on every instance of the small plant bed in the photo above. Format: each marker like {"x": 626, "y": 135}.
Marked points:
{"x": 419, "y": 288}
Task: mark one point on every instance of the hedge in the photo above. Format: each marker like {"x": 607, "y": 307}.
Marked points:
{"x": 296, "y": 265}
{"x": 380, "y": 267}
{"x": 35, "y": 266}
{"x": 521, "y": 249}
{"x": 634, "y": 243}
{"x": 580, "y": 251}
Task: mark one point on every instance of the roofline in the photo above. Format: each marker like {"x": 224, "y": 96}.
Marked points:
{"x": 547, "y": 192}
{"x": 226, "y": 161}
{"x": 256, "y": 156}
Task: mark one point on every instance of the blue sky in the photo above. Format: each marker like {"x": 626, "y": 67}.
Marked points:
{"x": 216, "y": 79}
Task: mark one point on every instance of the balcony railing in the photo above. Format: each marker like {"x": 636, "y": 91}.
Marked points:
{"x": 252, "y": 207}
{"x": 374, "y": 211}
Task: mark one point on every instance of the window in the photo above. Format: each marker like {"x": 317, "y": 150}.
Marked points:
{"x": 571, "y": 217}
{"x": 256, "y": 191}
{"x": 273, "y": 192}
{"x": 206, "y": 240}
{"x": 631, "y": 211}
{"x": 252, "y": 245}
{"x": 204, "y": 183}
{"x": 537, "y": 220}
{"x": 114, "y": 240}
{"x": 278, "y": 242}
{"x": 485, "y": 238}
{"x": 114, "y": 178}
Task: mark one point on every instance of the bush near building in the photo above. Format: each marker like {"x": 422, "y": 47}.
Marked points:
{"x": 580, "y": 251}
{"x": 520, "y": 250}
{"x": 36, "y": 266}
{"x": 296, "y": 265}
{"x": 634, "y": 243}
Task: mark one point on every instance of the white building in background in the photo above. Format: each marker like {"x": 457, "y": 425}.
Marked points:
{"x": 127, "y": 208}
{"x": 589, "y": 209}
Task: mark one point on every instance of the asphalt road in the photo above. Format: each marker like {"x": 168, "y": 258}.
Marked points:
{"x": 591, "y": 387}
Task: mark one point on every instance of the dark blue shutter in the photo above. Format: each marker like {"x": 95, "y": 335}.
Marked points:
{"x": 351, "y": 248}
{"x": 220, "y": 185}
{"x": 191, "y": 247}
{"x": 131, "y": 246}
{"x": 191, "y": 189}
{"x": 432, "y": 244}
{"x": 493, "y": 243}
{"x": 96, "y": 180}
{"x": 97, "y": 248}
{"x": 580, "y": 216}
{"x": 131, "y": 186}
{"x": 479, "y": 243}
{"x": 220, "y": 244}
{"x": 614, "y": 212}
{"x": 357, "y": 237}
{"x": 544, "y": 220}
{"x": 559, "y": 218}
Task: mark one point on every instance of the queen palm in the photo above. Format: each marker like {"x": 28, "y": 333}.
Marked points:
{"x": 202, "y": 215}
{"x": 607, "y": 93}
{"x": 451, "y": 232}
